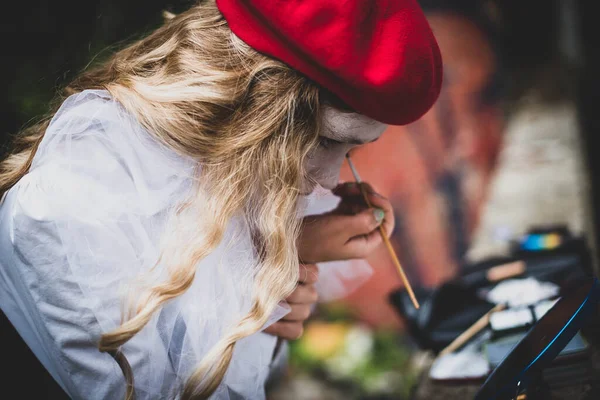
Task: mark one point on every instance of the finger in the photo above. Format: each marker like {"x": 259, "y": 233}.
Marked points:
{"x": 359, "y": 224}
{"x": 304, "y": 294}
{"x": 286, "y": 330}
{"x": 350, "y": 189}
{"x": 376, "y": 201}
{"x": 346, "y": 189}
{"x": 299, "y": 312}
{"x": 351, "y": 194}
{"x": 348, "y": 209}
{"x": 351, "y": 205}
{"x": 385, "y": 205}
{"x": 362, "y": 246}
{"x": 309, "y": 273}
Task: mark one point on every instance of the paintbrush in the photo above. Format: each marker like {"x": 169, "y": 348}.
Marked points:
{"x": 473, "y": 330}
{"x": 384, "y": 236}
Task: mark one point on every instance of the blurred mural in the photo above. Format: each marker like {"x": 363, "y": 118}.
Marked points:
{"x": 437, "y": 171}
{"x": 499, "y": 153}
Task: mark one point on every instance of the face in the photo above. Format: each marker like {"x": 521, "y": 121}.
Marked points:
{"x": 342, "y": 131}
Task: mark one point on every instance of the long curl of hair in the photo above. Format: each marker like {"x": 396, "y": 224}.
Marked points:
{"x": 249, "y": 120}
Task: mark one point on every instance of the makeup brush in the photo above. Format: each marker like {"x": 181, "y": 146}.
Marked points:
{"x": 384, "y": 236}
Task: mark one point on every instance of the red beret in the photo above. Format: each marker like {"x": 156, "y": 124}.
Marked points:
{"x": 378, "y": 56}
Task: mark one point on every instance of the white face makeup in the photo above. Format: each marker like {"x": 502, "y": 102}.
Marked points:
{"x": 342, "y": 132}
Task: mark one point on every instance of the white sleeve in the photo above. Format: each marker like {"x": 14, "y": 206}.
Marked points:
{"x": 63, "y": 317}
{"x": 87, "y": 224}
{"x": 82, "y": 228}
{"x": 57, "y": 246}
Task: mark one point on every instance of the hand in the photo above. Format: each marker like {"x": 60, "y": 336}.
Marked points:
{"x": 348, "y": 232}
{"x": 301, "y": 300}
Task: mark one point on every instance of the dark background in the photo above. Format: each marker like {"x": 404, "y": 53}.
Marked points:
{"x": 45, "y": 43}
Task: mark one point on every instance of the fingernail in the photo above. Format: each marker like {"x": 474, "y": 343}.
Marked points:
{"x": 379, "y": 215}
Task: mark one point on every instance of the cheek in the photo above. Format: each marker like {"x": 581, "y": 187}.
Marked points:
{"x": 324, "y": 167}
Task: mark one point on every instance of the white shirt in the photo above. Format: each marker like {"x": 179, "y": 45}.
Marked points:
{"x": 85, "y": 223}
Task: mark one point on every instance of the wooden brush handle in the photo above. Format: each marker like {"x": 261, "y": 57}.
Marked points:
{"x": 474, "y": 329}
{"x": 390, "y": 249}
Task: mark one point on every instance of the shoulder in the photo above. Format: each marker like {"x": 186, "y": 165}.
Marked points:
{"x": 97, "y": 160}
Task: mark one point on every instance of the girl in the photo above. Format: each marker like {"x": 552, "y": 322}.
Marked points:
{"x": 151, "y": 229}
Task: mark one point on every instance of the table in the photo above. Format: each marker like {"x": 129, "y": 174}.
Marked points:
{"x": 428, "y": 389}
